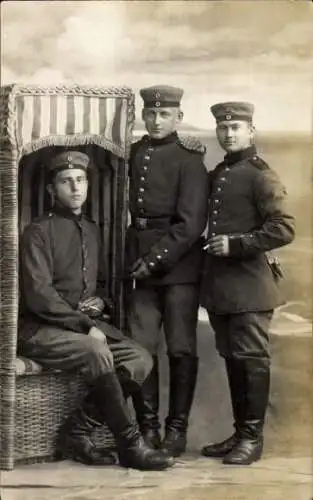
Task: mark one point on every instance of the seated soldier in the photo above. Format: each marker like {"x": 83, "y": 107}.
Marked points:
{"x": 61, "y": 327}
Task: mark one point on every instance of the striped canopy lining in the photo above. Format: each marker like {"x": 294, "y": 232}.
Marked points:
{"x": 51, "y": 116}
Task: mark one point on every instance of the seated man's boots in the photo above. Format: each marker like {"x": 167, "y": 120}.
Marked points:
{"x": 146, "y": 405}
{"x": 75, "y": 439}
{"x": 249, "y": 447}
{"x": 183, "y": 376}
{"x": 131, "y": 448}
{"x": 235, "y": 376}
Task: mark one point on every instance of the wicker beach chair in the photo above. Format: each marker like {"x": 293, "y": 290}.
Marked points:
{"x": 34, "y": 122}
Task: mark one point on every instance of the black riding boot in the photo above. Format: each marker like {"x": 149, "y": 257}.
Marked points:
{"x": 131, "y": 447}
{"x": 249, "y": 447}
{"x": 235, "y": 375}
{"x": 183, "y": 377}
{"x": 146, "y": 405}
{"x": 75, "y": 437}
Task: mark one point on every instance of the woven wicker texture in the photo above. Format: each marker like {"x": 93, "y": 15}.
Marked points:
{"x": 18, "y": 206}
{"x": 42, "y": 404}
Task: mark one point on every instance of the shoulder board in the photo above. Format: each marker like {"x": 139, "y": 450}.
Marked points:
{"x": 191, "y": 144}
{"x": 257, "y": 162}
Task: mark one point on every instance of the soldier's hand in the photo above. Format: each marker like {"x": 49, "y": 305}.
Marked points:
{"x": 93, "y": 306}
{"x": 140, "y": 270}
{"x": 218, "y": 245}
{"x": 98, "y": 334}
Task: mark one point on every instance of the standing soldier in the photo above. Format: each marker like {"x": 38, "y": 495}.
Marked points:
{"x": 168, "y": 206}
{"x": 247, "y": 219}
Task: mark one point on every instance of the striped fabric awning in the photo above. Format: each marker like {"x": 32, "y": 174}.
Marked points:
{"x": 73, "y": 116}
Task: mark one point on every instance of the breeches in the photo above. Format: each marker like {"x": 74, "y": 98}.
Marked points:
{"x": 55, "y": 348}
{"x": 242, "y": 336}
{"x": 175, "y": 307}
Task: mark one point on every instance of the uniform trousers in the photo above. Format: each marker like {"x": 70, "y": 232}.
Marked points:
{"x": 175, "y": 307}
{"x": 242, "y": 336}
{"x": 57, "y": 348}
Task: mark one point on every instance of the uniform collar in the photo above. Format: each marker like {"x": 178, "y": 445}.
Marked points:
{"x": 66, "y": 213}
{"x": 232, "y": 158}
{"x": 166, "y": 140}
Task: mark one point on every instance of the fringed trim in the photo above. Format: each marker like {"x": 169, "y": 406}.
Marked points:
{"x": 75, "y": 89}
{"x": 74, "y": 140}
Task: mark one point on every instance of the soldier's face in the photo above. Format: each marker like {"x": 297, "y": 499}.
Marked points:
{"x": 234, "y": 135}
{"x": 70, "y": 188}
{"x": 160, "y": 122}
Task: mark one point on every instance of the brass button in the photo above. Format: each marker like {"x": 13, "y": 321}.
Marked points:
{"x": 142, "y": 179}
{"x": 140, "y": 200}
{"x": 141, "y": 190}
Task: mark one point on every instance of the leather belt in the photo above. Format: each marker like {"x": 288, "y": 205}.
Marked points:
{"x": 142, "y": 223}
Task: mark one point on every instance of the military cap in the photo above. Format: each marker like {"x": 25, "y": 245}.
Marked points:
{"x": 226, "y": 111}
{"x": 161, "y": 96}
{"x": 68, "y": 160}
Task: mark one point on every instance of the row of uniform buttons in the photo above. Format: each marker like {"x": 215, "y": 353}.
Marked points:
{"x": 143, "y": 179}
{"x": 217, "y": 201}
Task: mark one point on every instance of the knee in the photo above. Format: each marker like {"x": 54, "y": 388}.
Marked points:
{"x": 98, "y": 358}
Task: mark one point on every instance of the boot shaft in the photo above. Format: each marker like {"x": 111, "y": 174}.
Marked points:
{"x": 183, "y": 378}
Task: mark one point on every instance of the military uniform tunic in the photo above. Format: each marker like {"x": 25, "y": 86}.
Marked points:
{"x": 168, "y": 206}
{"x": 247, "y": 203}
{"x": 60, "y": 268}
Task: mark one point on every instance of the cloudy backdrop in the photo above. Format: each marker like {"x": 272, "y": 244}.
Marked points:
{"x": 216, "y": 50}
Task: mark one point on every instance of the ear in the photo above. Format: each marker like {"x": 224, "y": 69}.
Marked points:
{"x": 50, "y": 190}
{"x": 180, "y": 115}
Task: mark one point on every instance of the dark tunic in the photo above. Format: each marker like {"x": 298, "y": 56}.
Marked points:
{"x": 248, "y": 203}
{"x": 169, "y": 189}
{"x": 59, "y": 267}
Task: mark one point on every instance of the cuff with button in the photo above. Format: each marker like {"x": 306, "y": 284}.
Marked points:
{"x": 156, "y": 260}
{"x": 240, "y": 245}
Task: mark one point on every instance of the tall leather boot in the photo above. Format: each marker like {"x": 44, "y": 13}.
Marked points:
{"x": 183, "y": 377}
{"x": 236, "y": 378}
{"x": 132, "y": 450}
{"x": 75, "y": 437}
{"x": 249, "y": 447}
{"x": 146, "y": 405}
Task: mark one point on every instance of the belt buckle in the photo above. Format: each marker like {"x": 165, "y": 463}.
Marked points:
{"x": 141, "y": 222}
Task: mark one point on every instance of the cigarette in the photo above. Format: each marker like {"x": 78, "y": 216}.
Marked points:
{"x": 206, "y": 246}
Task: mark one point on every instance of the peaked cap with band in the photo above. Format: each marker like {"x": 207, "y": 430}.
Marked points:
{"x": 68, "y": 160}
{"x": 161, "y": 96}
{"x": 227, "y": 111}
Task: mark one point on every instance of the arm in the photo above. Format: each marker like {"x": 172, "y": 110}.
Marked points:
{"x": 278, "y": 225}
{"x": 41, "y": 297}
{"x": 191, "y": 213}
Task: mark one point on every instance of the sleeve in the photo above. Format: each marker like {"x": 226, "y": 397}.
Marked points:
{"x": 40, "y": 296}
{"x": 191, "y": 214}
{"x": 278, "y": 228}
